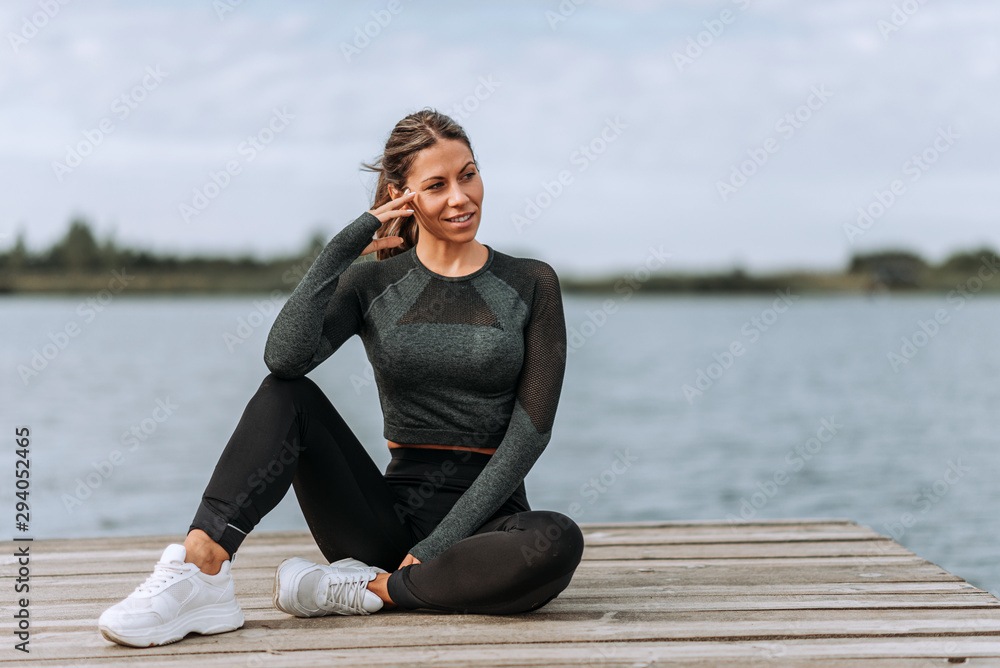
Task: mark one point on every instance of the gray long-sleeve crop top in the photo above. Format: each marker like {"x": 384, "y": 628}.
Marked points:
{"x": 475, "y": 360}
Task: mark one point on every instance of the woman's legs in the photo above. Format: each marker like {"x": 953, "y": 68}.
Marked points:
{"x": 204, "y": 552}
{"x": 514, "y": 563}
{"x": 291, "y": 435}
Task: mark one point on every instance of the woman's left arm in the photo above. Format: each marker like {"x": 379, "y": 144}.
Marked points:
{"x": 530, "y": 428}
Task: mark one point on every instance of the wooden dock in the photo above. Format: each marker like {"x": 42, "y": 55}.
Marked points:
{"x": 787, "y": 593}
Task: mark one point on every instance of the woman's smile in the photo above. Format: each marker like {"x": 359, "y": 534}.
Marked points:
{"x": 463, "y": 220}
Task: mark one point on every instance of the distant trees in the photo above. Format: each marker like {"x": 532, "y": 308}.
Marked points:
{"x": 968, "y": 263}
{"x": 79, "y": 250}
{"x": 901, "y": 268}
{"x": 17, "y": 257}
{"x": 893, "y": 268}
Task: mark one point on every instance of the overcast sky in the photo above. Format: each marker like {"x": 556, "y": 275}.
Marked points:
{"x": 673, "y": 99}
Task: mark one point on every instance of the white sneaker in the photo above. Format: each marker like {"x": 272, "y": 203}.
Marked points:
{"x": 305, "y": 589}
{"x": 175, "y": 600}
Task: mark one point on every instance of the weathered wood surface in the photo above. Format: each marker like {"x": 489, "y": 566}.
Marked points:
{"x": 789, "y": 593}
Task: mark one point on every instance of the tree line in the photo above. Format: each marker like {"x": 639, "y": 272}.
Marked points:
{"x": 79, "y": 250}
{"x": 80, "y": 254}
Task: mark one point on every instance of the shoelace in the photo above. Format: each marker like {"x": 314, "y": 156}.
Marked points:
{"x": 347, "y": 588}
{"x": 163, "y": 573}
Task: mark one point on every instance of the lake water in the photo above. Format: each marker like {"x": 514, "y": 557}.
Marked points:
{"x": 810, "y": 419}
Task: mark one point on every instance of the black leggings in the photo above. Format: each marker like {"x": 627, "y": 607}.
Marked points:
{"x": 291, "y": 435}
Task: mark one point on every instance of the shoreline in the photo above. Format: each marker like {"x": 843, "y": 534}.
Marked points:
{"x": 259, "y": 282}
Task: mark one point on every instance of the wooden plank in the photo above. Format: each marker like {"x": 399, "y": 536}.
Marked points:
{"x": 744, "y": 550}
{"x": 156, "y": 543}
{"x": 51, "y": 613}
{"x": 732, "y": 534}
{"x": 654, "y": 537}
{"x": 730, "y": 574}
{"x": 790, "y": 521}
{"x": 257, "y": 595}
{"x": 266, "y": 644}
{"x": 143, "y": 562}
{"x": 624, "y": 573}
{"x": 563, "y": 623}
{"x": 788, "y": 654}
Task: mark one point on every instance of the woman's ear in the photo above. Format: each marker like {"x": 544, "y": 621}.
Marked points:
{"x": 394, "y": 192}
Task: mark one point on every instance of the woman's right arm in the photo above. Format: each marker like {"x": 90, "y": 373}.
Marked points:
{"x": 318, "y": 317}
{"x": 296, "y": 343}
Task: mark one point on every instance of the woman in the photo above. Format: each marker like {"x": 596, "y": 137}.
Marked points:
{"x": 468, "y": 346}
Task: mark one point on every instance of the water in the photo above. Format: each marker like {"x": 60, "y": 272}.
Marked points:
{"x": 810, "y": 420}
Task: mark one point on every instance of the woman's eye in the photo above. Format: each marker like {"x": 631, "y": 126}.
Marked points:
{"x": 434, "y": 186}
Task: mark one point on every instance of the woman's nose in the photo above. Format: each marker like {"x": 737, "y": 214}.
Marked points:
{"x": 457, "y": 196}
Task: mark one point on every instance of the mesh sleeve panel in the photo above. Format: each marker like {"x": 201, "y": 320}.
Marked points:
{"x": 544, "y": 352}
{"x": 323, "y": 311}
{"x": 529, "y": 430}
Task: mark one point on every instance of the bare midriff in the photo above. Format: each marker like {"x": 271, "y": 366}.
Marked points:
{"x": 485, "y": 451}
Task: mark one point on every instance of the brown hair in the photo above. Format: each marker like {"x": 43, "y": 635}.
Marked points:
{"x": 411, "y": 135}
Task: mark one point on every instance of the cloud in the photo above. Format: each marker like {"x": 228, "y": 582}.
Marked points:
{"x": 686, "y": 128}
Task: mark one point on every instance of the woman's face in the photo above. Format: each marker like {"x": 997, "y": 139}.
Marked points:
{"x": 449, "y": 191}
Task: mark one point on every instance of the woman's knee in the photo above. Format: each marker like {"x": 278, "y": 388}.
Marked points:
{"x": 276, "y": 388}
{"x": 553, "y": 541}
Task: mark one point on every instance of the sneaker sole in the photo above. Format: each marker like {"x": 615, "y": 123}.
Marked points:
{"x": 206, "y": 620}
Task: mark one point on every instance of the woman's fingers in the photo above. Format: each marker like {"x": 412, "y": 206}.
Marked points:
{"x": 410, "y": 559}
{"x": 399, "y": 207}
{"x": 394, "y": 208}
{"x": 383, "y": 242}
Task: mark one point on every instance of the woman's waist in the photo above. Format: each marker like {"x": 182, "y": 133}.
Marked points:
{"x": 393, "y": 445}
{"x": 453, "y": 436}
{"x": 432, "y": 480}
{"x": 415, "y": 465}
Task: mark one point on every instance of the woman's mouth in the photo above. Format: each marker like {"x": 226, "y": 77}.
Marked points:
{"x": 461, "y": 220}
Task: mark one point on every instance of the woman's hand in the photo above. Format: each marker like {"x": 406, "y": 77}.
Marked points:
{"x": 394, "y": 208}
{"x": 410, "y": 559}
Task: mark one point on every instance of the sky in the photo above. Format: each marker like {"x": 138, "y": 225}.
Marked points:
{"x": 769, "y": 135}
